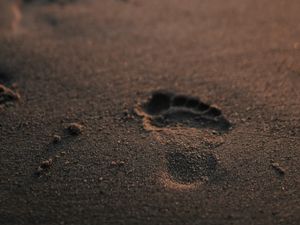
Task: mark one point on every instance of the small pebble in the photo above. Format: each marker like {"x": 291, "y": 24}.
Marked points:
{"x": 39, "y": 170}
{"x": 215, "y": 132}
{"x": 75, "y": 128}
{"x": 56, "y": 139}
{"x": 46, "y": 164}
{"x": 117, "y": 163}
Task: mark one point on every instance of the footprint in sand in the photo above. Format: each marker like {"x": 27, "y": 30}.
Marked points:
{"x": 7, "y": 95}
{"x": 164, "y": 111}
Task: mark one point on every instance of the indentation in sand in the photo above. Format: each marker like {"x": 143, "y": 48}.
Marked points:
{"x": 168, "y": 110}
{"x": 188, "y": 170}
{"x": 184, "y": 120}
{"x": 189, "y": 167}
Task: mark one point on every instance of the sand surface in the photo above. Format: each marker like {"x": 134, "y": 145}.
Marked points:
{"x": 150, "y": 112}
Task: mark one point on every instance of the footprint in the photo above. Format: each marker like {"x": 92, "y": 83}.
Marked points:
{"x": 165, "y": 109}
{"x": 187, "y": 168}
{"x": 6, "y": 94}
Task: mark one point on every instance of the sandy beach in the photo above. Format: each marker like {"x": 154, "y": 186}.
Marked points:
{"x": 161, "y": 112}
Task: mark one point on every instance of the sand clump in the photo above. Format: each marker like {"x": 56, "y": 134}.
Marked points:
{"x": 117, "y": 163}
{"x": 56, "y": 139}
{"x": 75, "y": 128}
{"x": 44, "y": 166}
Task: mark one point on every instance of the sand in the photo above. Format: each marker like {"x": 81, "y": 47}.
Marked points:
{"x": 149, "y": 112}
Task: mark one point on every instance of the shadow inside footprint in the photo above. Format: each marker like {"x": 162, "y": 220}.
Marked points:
{"x": 191, "y": 167}
{"x": 4, "y": 77}
{"x": 158, "y": 103}
{"x": 168, "y": 109}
